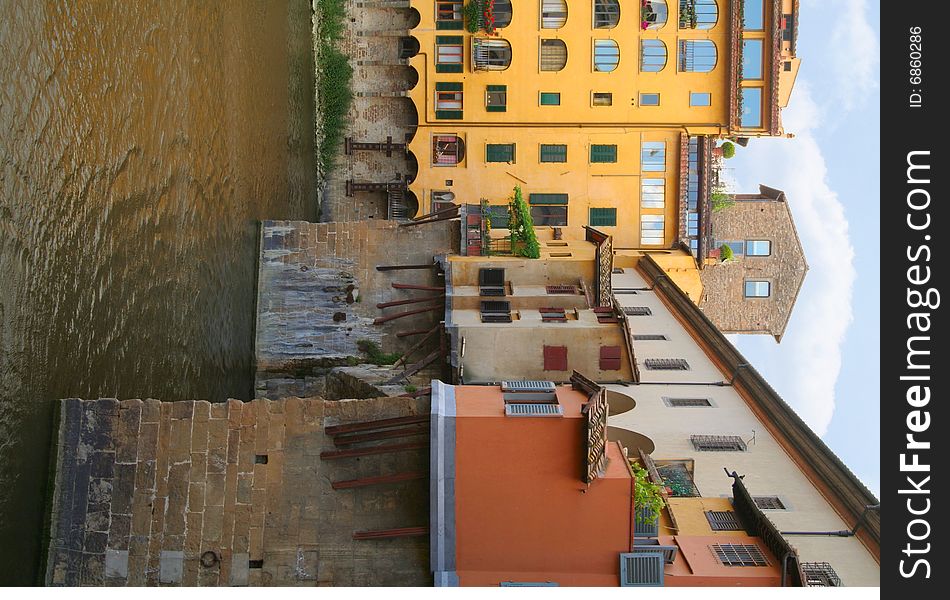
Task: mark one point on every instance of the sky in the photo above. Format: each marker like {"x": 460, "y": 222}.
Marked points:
{"x": 827, "y": 366}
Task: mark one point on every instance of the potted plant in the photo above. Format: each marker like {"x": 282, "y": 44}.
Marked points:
{"x": 728, "y": 150}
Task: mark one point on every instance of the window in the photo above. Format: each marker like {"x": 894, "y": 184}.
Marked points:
{"x": 603, "y": 153}
{"x": 447, "y": 150}
{"x": 723, "y": 520}
{"x": 739, "y": 555}
{"x": 504, "y": 153}
{"x": 605, "y": 314}
{"x": 652, "y": 56}
{"x": 448, "y": 15}
{"x": 603, "y": 217}
{"x": 717, "y": 443}
{"x": 548, "y": 209}
{"x": 698, "y": 14}
{"x": 641, "y": 569}
{"x": 758, "y": 248}
{"x": 677, "y": 475}
{"x": 637, "y": 311}
{"x": 606, "y": 14}
{"x": 655, "y": 13}
{"x": 550, "y": 99}
{"x": 449, "y": 54}
{"x": 697, "y": 56}
{"x": 448, "y": 100}
{"x": 547, "y": 199}
{"x": 650, "y": 337}
{"x": 527, "y": 409}
{"x": 553, "y": 55}
{"x": 652, "y": 193}
{"x": 499, "y": 216}
{"x": 491, "y": 54}
{"x": 610, "y": 358}
{"x": 606, "y": 55}
{"x": 737, "y": 247}
{"x": 751, "y": 103}
{"x": 752, "y": 59}
{"x": 666, "y": 364}
{"x": 700, "y": 99}
{"x": 757, "y": 288}
{"x": 496, "y": 98}
{"x": 553, "y": 153}
{"x": 820, "y": 574}
{"x": 653, "y": 156}
{"x": 555, "y": 358}
{"x": 560, "y": 289}
{"x": 552, "y": 315}
{"x": 649, "y": 99}
{"x": 501, "y": 10}
{"x": 553, "y": 14}
{"x": 602, "y": 99}
{"x": 491, "y": 282}
{"x": 495, "y": 311}
{"x": 687, "y": 402}
{"x": 651, "y": 230}
{"x": 753, "y": 15}
{"x": 768, "y": 502}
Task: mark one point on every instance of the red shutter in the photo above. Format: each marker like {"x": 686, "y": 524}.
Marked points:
{"x": 610, "y": 358}
{"x": 555, "y": 358}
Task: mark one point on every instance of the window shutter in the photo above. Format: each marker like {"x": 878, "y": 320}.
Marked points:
{"x": 500, "y": 153}
{"x": 449, "y": 67}
{"x": 448, "y": 39}
{"x": 527, "y": 409}
{"x": 448, "y": 114}
{"x": 528, "y": 385}
{"x": 610, "y": 358}
{"x": 723, "y": 520}
{"x": 641, "y": 569}
{"x": 603, "y": 217}
{"x": 550, "y": 98}
{"x": 496, "y": 107}
{"x": 448, "y": 86}
{"x": 554, "y": 153}
{"x": 642, "y": 527}
{"x": 555, "y": 358}
{"x": 652, "y": 545}
{"x": 603, "y": 153}
{"x": 547, "y": 198}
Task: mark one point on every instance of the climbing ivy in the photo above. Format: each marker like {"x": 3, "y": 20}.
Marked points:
{"x": 524, "y": 242}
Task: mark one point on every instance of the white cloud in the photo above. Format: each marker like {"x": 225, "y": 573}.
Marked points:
{"x": 805, "y": 366}
{"x": 851, "y": 54}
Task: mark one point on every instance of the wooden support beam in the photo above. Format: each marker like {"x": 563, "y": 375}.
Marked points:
{"x": 454, "y": 209}
{"x": 408, "y": 313}
{"x": 354, "y": 452}
{"x": 416, "y": 346}
{"x": 401, "y": 267}
{"x": 379, "y": 534}
{"x": 422, "y": 392}
{"x": 432, "y": 220}
{"x": 378, "y": 424}
{"x": 413, "y": 369}
{"x": 413, "y": 332}
{"x": 412, "y": 286}
{"x": 356, "y": 438}
{"x": 410, "y": 301}
{"x": 367, "y": 481}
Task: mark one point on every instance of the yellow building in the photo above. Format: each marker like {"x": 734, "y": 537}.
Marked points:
{"x": 592, "y": 107}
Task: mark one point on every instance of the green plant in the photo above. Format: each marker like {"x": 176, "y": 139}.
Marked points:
{"x": 725, "y": 252}
{"x": 411, "y": 389}
{"x": 524, "y": 241}
{"x": 721, "y": 201}
{"x": 646, "y": 494}
{"x": 333, "y": 85}
{"x": 728, "y": 150}
{"x": 352, "y": 361}
{"x": 471, "y": 12}
{"x": 375, "y": 355}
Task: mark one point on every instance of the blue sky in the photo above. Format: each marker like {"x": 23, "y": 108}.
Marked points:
{"x": 828, "y": 364}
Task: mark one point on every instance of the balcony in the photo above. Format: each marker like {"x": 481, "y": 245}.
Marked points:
{"x": 490, "y": 54}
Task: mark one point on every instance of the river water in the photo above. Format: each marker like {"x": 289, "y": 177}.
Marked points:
{"x": 140, "y": 143}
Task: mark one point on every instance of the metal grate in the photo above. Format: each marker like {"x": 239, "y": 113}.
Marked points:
{"x": 637, "y": 311}
{"x": 717, "y": 443}
{"x": 533, "y": 410}
{"x": 687, "y": 402}
{"x": 653, "y": 545}
{"x": 530, "y": 385}
{"x": 641, "y": 569}
{"x": 560, "y": 289}
{"x": 646, "y": 523}
{"x": 649, "y": 337}
{"x": 723, "y": 520}
{"x": 552, "y": 315}
{"x": 677, "y": 477}
{"x": 496, "y": 306}
{"x": 820, "y": 574}
{"x": 768, "y": 502}
{"x": 491, "y": 291}
{"x": 666, "y": 364}
{"x": 739, "y": 555}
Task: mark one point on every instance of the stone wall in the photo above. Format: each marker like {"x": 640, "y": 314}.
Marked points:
{"x": 144, "y": 489}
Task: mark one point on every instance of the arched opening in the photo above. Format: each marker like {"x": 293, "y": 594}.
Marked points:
{"x": 447, "y": 150}
{"x": 698, "y": 14}
{"x": 618, "y": 403}
{"x": 414, "y": 19}
{"x": 697, "y": 56}
{"x": 553, "y": 14}
{"x": 553, "y": 55}
{"x": 606, "y": 14}
{"x": 631, "y": 440}
{"x": 412, "y": 166}
{"x": 491, "y": 54}
{"x": 501, "y": 11}
{"x": 653, "y": 14}
{"x": 652, "y": 56}
{"x": 606, "y": 55}
{"x": 408, "y": 47}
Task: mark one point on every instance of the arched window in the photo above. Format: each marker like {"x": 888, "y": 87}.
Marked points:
{"x": 606, "y": 55}
{"x": 698, "y": 14}
{"x": 491, "y": 54}
{"x": 652, "y": 56}
{"x": 697, "y": 56}
{"x": 653, "y": 14}
{"x": 553, "y": 14}
{"x": 501, "y": 10}
{"x": 553, "y": 55}
{"x": 447, "y": 150}
{"x": 606, "y": 14}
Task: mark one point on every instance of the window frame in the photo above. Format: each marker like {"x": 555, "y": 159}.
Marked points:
{"x": 749, "y": 244}
{"x": 755, "y": 288}
{"x": 549, "y": 95}
{"x": 740, "y": 555}
{"x": 653, "y": 45}
{"x": 602, "y": 154}
{"x": 597, "y": 98}
{"x": 606, "y": 7}
{"x": 653, "y": 221}
{"x": 692, "y": 58}
{"x": 457, "y": 22}
{"x": 510, "y": 150}
{"x": 602, "y": 219}
{"x": 551, "y": 43}
{"x": 650, "y": 95}
{"x": 746, "y": 54}
{"x": 498, "y": 106}
{"x": 649, "y": 162}
{"x": 605, "y": 48}
{"x": 552, "y": 153}
{"x": 563, "y": 7}
{"x": 649, "y": 194}
{"x": 695, "y": 95}
{"x": 746, "y": 104}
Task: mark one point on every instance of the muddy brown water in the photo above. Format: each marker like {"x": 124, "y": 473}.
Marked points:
{"x": 140, "y": 143}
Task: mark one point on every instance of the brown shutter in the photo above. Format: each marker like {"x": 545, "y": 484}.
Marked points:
{"x": 555, "y": 358}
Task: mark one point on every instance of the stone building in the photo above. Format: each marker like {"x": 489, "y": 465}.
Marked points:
{"x": 755, "y": 288}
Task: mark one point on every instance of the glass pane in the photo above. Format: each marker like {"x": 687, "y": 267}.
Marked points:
{"x": 757, "y": 289}
{"x": 758, "y": 248}
{"x": 550, "y": 98}
{"x": 653, "y": 156}
{"x": 752, "y": 59}
{"x": 753, "y": 14}
{"x": 751, "y": 107}
{"x": 700, "y": 99}
{"x": 603, "y": 99}
{"x": 606, "y": 55}
{"x": 652, "y": 56}
{"x": 649, "y": 99}
{"x": 652, "y": 192}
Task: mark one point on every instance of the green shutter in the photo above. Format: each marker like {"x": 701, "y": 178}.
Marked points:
{"x": 547, "y": 198}
{"x": 553, "y": 153}
{"x": 449, "y": 68}
{"x": 499, "y": 216}
{"x": 496, "y": 107}
{"x": 500, "y": 153}
{"x": 603, "y": 153}
{"x": 603, "y": 217}
{"x": 448, "y": 25}
{"x": 497, "y": 88}
{"x": 550, "y": 99}
{"x": 448, "y": 86}
{"x": 448, "y": 39}
{"x": 448, "y": 114}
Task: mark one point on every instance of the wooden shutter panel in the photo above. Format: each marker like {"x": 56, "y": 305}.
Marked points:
{"x": 602, "y": 153}
{"x": 642, "y": 527}
{"x": 448, "y": 86}
{"x": 610, "y": 358}
{"x": 603, "y": 217}
{"x": 547, "y": 198}
{"x": 641, "y": 569}
{"x": 555, "y": 358}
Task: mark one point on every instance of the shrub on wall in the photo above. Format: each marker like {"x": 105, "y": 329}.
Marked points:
{"x": 524, "y": 241}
